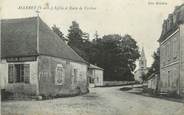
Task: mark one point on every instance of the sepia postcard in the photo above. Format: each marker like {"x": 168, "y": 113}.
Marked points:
{"x": 92, "y": 57}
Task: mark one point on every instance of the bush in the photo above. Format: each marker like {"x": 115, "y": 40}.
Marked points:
{"x": 5, "y": 95}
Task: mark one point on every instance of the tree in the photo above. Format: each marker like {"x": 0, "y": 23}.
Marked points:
{"x": 58, "y": 32}
{"x": 114, "y": 53}
{"x": 144, "y": 77}
{"x": 117, "y": 55}
{"x": 75, "y": 35}
{"x": 155, "y": 67}
{"x": 79, "y": 41}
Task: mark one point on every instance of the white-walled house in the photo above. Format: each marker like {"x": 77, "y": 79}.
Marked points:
{"x": 172, "y": 53}
{"x": 95, "y": 74}
{"x": 35, "y": 61}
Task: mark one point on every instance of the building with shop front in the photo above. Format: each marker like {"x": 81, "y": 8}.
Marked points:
{"x": 35, "y": 61}
{"x": 172, "y": 53}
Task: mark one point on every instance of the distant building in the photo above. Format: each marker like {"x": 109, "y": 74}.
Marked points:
{"x": 153, "y": 82}
{"x": 142, "y": 69}
{"x": 35, "y": 61}
{"x": 172, "y": 53}
{"x": 95, "y": 75}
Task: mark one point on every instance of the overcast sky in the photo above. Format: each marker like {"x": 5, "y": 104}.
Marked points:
{"x": 142, "y": 19}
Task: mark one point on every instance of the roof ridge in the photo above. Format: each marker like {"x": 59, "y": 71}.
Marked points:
{"x": 60, "y": 40}
{"x": 20, "y": 34}
{"x": 95, "y": 66}
{"x": 19, "y": 18}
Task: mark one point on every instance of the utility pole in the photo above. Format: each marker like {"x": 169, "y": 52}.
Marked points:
{"x": 38, "y": 51}
{"x": 38, "y": 24}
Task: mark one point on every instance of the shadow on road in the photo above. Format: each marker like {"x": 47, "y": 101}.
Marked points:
{"x": 126, "y": 88}
{"x": 139, "y": 91}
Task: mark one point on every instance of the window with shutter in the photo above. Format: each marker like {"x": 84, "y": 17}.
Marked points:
{"x": 10, "y": 73}
{"x": 168, "y": 50}
{"x": 74, "y": 76}
{"x": 18, "y": 73}
{"x": 21, "y": 72}
{"x": 175, "y": 48}
{"x": 165, "y": 54}
{"x": 169, "y": 78}
{"x": 171, "y": 50}
{"x": 60, "y": 73}
{"x": 26, "y": 73}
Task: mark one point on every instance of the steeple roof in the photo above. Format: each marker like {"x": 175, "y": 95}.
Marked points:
{"x": 143, "y": 54}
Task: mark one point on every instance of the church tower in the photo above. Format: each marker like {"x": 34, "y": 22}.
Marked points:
{"x": 142, "y": 60}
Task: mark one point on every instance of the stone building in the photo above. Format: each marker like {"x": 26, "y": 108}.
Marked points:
{"x": 172, "y": 53}
{"x": 35, "y": 61}
{"x": 95, "y": 74}
{"x": 153, "y": 82}
{"x": 142, "y": 69}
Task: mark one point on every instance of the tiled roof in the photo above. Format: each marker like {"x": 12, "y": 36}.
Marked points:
{"x": 170, "y": 25}
{"x": 19, "y": 38}
{"x": 94, "y": 67}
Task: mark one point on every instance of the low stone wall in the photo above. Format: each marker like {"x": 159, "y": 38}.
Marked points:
{"x": 117, "y": 83}
{"x": 21, "y": 88}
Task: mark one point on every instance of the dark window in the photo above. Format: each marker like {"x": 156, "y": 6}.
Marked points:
{"x": 74, "y": 76}
{"x": 18, "y": 73}
{"x": 10, "y": 73}
{"x": 26, "y": 73}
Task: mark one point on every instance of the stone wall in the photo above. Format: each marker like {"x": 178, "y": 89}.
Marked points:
{"x": 70, "y": 85}
{"x": 169, "y": 78}
{"x": 171, "y": 51}
{"x": 21, "y": 88}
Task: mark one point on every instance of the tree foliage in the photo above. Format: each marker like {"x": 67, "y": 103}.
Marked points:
{"x": 117, "y": 55}
{"x": 75, "y": 35}
{"x": 79, "y": 41}
{"x": 114, "y": 53}
{"x": 155, "y": 67}
{"x": 58, "y": 32}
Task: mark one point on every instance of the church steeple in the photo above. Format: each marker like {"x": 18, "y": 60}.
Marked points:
{"x": 142, "y": 60}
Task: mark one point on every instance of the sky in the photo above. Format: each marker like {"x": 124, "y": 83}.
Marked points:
{"x": 142, "y": 19}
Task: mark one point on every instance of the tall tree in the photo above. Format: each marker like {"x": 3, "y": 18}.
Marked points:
{"x": 58, "y": 32}
{"x": 155, "y": 67}
{"x": 75, "y": 35}
{"x": 117, "y": 55}
{"x": 79, "y": 40}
